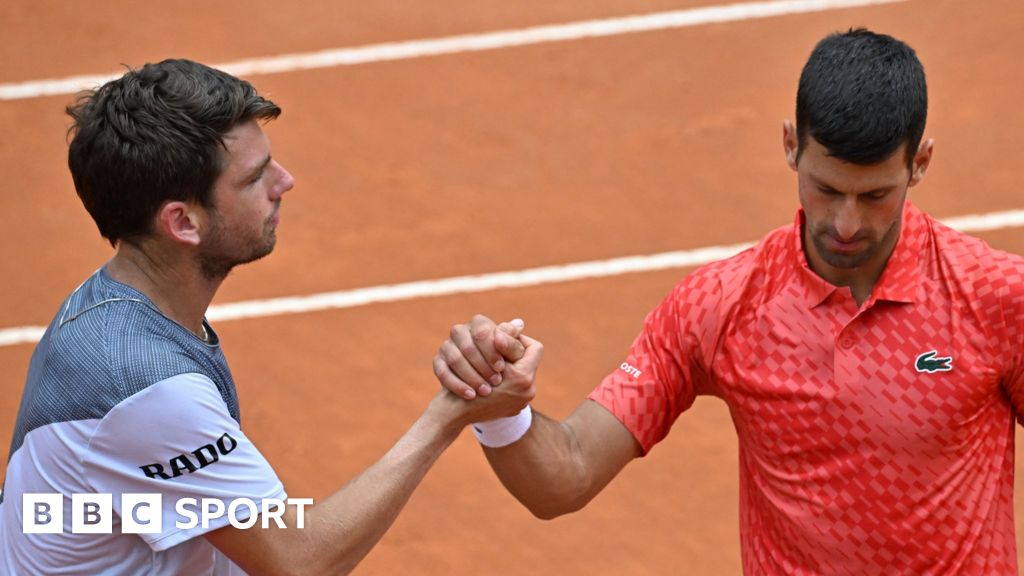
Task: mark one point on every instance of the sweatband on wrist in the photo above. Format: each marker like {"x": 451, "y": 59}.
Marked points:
{"x": 503, "y": 431}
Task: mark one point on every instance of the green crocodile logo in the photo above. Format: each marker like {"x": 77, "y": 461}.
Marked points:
{"x": 927, "y": 362}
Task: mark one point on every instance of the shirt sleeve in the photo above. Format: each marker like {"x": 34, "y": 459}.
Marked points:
{"x": 1012, "y": 338}
{"x": 666, "y": 367}
{"x": 177, "y": 439}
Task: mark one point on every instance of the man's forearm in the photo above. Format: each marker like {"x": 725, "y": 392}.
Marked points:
{"x": 544, "y": 469}
{"x": 353, "y": 519}
{"x": 341, "y": 529}
{"x": 557, "y": 467}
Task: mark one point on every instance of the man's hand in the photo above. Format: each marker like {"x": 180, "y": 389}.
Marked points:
{"x": 515, "y": 392}
{"x": 477, "y": 355}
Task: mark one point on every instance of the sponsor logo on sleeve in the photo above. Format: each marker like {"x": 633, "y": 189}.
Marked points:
{"x": 193, "y": 461}
{"x": 630, "y": 369}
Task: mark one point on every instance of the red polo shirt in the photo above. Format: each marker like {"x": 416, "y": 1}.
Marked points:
{"x": 873, "y": 440}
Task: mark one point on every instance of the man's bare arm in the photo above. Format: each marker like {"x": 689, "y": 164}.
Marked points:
{"x": 556, "y": 467}
{"x": 340, "y": 530}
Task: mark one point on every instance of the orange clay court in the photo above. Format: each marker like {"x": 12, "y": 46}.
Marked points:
{"x": 487, "y": 161}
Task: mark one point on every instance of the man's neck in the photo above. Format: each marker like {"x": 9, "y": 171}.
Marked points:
{"x": 861, "y": 281}
{"x": 171, "y": 279}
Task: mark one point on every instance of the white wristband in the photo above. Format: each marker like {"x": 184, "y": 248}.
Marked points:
{"x": 503, "y": 431}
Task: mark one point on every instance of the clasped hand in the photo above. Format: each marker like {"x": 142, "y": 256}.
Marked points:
{"x": 492, "y": 364}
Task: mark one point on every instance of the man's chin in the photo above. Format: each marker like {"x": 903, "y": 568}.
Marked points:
{"x": 845, "y": 261}
{"x": 219, "y": 267}
{"x": 264, "y": 251}
{"x": 841, "y": 260}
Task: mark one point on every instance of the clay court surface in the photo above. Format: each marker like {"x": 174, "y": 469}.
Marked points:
{"x": 480, "y": 162}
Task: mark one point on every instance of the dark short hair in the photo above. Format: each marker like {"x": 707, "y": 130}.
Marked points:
{"x": 861, "y": 96}
{"x": 155, "y": 135}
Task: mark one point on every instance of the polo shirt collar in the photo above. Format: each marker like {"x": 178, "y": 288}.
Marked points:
{"x": 899, "y": 280}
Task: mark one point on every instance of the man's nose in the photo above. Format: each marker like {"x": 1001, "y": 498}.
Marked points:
{"x": 848, "y": 220}
{"x": 286, "y": 182}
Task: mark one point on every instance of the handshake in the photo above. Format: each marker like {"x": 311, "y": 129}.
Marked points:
{"x": 492, "y": 368}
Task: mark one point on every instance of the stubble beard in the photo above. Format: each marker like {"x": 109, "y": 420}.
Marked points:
{"x": 843, "y": 261}
{"x": 851, "y": 261}
{"x": 224, "y": 253}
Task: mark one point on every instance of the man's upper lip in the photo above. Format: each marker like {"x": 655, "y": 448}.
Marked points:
{"x": 839, "y": 240}
{"x": 844, "y": 244}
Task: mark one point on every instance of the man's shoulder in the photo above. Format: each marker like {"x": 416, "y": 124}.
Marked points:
{"x": 981, "y": 278}
{"x": 772, "y": 255}
{"x": 751, "y": 274}
{"x": 112, "y": 333}
{"x": 113, "y": 342}
{"x": 970, "y": 257}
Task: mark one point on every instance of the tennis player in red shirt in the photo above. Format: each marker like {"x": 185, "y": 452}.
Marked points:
{"x": 871, "y": 357}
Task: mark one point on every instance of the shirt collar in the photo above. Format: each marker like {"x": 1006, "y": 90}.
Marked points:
{"x": 899, "y": 280}
{"x": 901, "y": 276}
{"x": 816, "y": 288}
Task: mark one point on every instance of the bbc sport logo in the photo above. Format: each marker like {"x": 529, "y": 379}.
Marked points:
{"x": 143, "y": 513}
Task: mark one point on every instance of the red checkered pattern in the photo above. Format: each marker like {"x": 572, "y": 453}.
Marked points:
{"x": 852, "y": 461}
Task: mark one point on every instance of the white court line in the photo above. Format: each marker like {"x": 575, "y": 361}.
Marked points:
{"x": 467, "y": 43}
{"x": 498, "y": 280}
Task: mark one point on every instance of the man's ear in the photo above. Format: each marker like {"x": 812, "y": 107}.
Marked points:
{"x": 790, "y": 143}
{"x": 179, "y": 221}
{"x": 922, "y": 159}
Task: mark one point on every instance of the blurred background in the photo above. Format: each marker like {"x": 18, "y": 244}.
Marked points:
{"x": 476, "y": 162}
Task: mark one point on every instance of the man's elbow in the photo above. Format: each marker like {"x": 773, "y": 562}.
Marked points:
{"x": 288, "y": 552}
{"x": 300, "y": 565}
{"x": 551, "y": 509}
